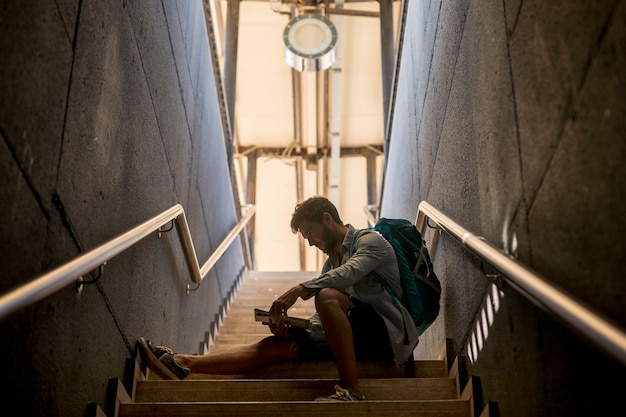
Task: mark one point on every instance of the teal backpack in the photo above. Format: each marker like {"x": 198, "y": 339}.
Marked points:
{"x": 420, "y": 286}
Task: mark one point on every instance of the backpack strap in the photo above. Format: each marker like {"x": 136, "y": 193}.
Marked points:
{"x": 421, "y": 261}
{"x": 374, "y": 273}
{"x": 328, "y": 265}
{"x": 385, "y": 284}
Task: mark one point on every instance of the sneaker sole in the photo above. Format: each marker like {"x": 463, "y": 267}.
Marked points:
{"x": 333, "y": 400}
{"x": 153, "y": 362}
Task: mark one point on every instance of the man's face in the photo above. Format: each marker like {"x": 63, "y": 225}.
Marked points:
{"x": 318, "y": 235}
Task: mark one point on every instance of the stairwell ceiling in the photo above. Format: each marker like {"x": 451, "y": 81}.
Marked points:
{"x": 271, "y": 109}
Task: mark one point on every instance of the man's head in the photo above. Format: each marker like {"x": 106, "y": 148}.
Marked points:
{"x": 319, "y": 222}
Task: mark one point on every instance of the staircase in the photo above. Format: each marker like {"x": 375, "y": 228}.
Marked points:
{"x": 289, "y": 389}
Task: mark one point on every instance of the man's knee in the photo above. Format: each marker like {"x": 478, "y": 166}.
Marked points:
{"x": 328, "y": 293}
{"x": 331, "y": 298}
{"x": 277, "y": 348}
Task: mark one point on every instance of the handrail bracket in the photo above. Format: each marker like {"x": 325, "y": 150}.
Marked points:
{"x": 161, "y": 231}
{"x": 80, "y": 282}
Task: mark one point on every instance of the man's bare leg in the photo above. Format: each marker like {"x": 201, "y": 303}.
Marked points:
{"x": 332, "y": 306}
{"x": 241, "y": 359}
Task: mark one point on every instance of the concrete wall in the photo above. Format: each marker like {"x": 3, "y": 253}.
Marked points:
{"x": 510, "y": 117}
{"x": 108, "y": 116}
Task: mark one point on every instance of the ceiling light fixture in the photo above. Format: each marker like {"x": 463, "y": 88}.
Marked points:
{"x": 309, "y": 43}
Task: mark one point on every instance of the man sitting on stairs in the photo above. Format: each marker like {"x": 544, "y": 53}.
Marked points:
{"x": 355, "y": 319}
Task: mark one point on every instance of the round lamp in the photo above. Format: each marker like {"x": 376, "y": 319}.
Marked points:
{"x": 309, "y": 43}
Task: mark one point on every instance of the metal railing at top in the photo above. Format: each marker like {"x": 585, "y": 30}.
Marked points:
{"x": 64, "y": 275}
{"x": 581, "y": 319}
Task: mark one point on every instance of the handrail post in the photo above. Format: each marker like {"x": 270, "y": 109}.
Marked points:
{"x": 219, "y": 251}
{"x": 184, "y": 235}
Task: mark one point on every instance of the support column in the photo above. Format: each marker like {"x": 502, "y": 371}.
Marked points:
{"x": 387, "y": 50}
{"x": 230, "y": 66}
{"x": 251, "y": 199}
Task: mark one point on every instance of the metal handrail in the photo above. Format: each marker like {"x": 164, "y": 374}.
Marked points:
{"x": 369, "y": 210}
{"x": 573, "y": 313}
{"x": 57, "y": 279}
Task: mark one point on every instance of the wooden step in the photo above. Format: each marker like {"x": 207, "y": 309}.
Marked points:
{"x": 327, "y": 370}
{"x": 232, "y": 325}
{"x": 263, "y": 291}
{"x": 274, "y": 284}
{"x": 264, "y": 301}
{"x": 443, "y": 408}
{"x": 248, "y": 328}
{"x": 291, "y": 390}
{"x": 245, "y": 323}
{"x": 297, "y": 276}
{"x": 242, "y": 338}
{"x": 265, "y": 305}
{"x": 247, "y": 313}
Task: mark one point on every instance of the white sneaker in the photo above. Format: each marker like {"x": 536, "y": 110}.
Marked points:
{"x": 341, "y": 395}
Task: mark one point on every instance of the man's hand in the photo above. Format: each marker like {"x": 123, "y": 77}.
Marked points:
{"x": 278, "y": 311}
{"x": 281, "y": 329}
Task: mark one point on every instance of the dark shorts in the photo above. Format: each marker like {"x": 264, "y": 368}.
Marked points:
{"x": 371, "y": 340}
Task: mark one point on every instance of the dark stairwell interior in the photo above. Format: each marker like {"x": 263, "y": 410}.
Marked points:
{"x": 507, "y": 115}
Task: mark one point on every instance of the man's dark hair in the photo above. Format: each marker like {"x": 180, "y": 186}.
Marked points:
{"x": 312, "y": 210}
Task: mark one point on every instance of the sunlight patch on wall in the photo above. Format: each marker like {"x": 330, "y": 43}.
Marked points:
{"x": 486, "y": 317}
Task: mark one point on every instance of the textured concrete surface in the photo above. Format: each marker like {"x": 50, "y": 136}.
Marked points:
{"x": 510, "y": 118}
{"x": 108, "y": 116}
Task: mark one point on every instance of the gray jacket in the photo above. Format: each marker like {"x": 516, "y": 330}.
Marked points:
{"x": 372, "y": 252}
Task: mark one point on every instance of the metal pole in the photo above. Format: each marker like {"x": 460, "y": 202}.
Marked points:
{"x": 387, "y": 50}
{"x": 230, "y": 59}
